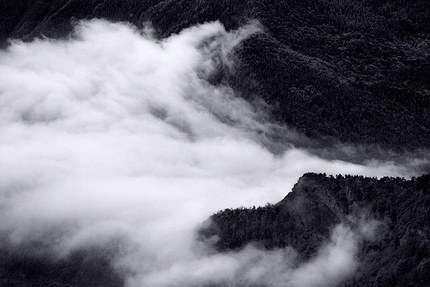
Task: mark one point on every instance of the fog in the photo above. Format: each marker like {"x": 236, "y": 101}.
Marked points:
{"x": 113, "y": 135}
{"x": 335, "y": 261}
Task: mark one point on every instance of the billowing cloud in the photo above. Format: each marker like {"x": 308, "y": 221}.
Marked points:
{"x": 335, "y": 261}
{"x": 114, "y": 135}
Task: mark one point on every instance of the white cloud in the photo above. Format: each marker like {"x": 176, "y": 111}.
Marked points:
{"x": 334, "y": 262}
{"x": 115, "y": 134}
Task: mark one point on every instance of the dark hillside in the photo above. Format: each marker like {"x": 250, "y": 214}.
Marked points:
{"x": 353, "y": 71}
{"x": 23, "y": 266}
{"x": 304, "y": 218}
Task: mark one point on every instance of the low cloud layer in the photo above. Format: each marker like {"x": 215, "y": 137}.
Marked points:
{"x": 334, "y": 262}
{"x": 113, "y": 135}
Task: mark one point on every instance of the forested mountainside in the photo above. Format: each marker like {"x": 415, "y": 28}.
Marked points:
{"x": 354, "y": 71}
{"x": 400, "y": 256}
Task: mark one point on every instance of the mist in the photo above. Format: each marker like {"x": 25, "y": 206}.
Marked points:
{"x": 115, "y": 136}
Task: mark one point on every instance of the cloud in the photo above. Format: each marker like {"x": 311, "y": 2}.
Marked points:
{"x": 114, "y": 135}
{"x": 334, "y": 262}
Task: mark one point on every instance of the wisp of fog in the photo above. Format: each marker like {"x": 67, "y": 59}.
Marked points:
{"x": 113, "y": 135}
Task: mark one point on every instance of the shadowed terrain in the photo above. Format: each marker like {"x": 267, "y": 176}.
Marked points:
{"x": 338, "y": 71}
{"x": 126, "y": 123}
{"x": 399, "y": 254}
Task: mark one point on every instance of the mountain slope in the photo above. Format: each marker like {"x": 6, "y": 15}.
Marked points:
{"x": 400, "y": 256}
{"x": 349, "y": 71}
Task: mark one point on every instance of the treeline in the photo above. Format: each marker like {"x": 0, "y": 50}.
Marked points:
{"x": 305, "y": 217}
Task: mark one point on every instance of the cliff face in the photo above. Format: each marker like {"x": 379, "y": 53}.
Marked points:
{"x": 398, "y": 256}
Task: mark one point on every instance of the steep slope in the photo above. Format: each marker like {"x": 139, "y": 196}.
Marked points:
{"x": 398, "y": 256}
{"x": 352, "y": 71}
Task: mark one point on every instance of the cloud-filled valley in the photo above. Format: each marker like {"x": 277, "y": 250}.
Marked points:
{"x": 114, "y": 137}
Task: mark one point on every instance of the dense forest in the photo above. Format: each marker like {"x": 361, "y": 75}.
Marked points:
{"x": 350, "y": 73}
{"x": 354, "y": 71}
{"x": 305, "y": 217}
